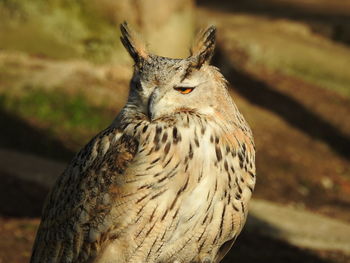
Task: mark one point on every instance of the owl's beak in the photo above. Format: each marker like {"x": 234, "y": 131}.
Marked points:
{"x": 151, "y": 101}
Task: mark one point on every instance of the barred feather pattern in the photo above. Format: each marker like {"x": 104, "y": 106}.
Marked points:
{"x": 175, "y": 189}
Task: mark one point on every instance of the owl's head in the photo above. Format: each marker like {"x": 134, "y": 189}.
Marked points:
{"x": 162, "y": 86}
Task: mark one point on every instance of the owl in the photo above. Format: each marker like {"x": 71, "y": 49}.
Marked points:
{"x": 168, "y": 181}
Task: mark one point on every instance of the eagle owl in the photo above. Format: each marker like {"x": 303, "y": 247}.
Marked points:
{"x": 168, "y": 181}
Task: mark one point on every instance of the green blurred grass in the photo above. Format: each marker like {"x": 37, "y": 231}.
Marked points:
{"x": 69, "y": 117}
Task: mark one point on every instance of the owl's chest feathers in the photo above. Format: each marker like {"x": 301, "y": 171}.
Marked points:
{"x": 188, "y": 172}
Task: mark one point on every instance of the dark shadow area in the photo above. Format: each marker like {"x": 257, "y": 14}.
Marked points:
{"x": 289, "y": 109}
{"x": 255, "y": 247}
{"x": 18, "y": 135}
{"x": 332, "y": 24}
{"x": 20, "y": 198}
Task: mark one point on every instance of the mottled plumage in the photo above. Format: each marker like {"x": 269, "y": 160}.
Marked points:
{"x": 168, "y": 181}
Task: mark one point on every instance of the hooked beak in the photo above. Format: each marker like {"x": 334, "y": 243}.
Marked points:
{"x": 150, "y": 104}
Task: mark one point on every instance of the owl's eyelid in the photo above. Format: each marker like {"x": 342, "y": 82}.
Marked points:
{"x": 191, "y": 86}
{"x": 184, "y": 87}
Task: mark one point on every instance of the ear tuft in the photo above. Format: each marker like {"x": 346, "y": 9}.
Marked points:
{"x": 133, "y": 43}
{"x": 204, "y": 45}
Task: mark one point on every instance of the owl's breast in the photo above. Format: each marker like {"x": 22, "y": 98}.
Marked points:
{"x": 210, "y": 191}
{"x": 186, "y": 191}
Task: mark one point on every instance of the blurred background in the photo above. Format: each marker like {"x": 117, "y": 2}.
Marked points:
{"x": 64, "y": 76}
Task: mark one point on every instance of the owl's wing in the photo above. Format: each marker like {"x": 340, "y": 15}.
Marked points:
{"x": 71, "y": 228}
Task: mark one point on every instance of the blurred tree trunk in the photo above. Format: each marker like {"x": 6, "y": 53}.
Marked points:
{"x": 166, "y": 25}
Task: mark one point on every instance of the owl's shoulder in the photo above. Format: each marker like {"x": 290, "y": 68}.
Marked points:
{"x": 80, "y": 197}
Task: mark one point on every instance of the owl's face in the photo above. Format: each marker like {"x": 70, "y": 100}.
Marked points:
{"x": 163, "y": 86}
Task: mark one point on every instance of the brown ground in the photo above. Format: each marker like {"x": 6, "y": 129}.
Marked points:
{"x": 302, "y": 136}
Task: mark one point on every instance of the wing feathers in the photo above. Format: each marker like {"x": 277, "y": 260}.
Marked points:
{"x": 77, "y": 204}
